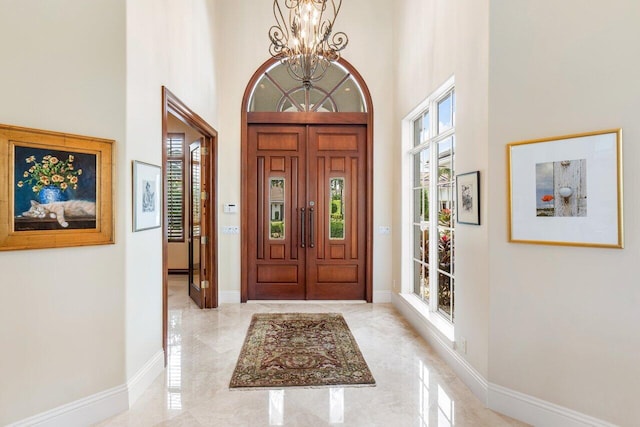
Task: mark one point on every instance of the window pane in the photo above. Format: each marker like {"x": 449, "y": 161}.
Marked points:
{"x": 336, "y": 215}
{"x": 421, "y": 168}
{"x": 445, "y": 250}
{"x": 445, "y": 205}
{"x": 421, "y": 205}
{"x": 175, "y": 200}
{"x": 270, "y": 94}
{"x": 421, "y": 244}
{"x": 175, "y": 181}
{"x": 276, "y": 203}
{"x": 417, "y": 132}
{"x": 445, "y": 294}
{"x": 421, "y": 280}
{"x": 426, "y": 128}
{"x": 445, "y": 114}
{"x": 445, "y": 160}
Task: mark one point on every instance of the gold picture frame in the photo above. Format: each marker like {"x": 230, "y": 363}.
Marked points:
{"x": 56, "y": 189}
{"x": 567, "y": 190}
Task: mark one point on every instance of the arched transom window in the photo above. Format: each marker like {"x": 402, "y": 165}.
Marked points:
{"x": 337, "y": 91}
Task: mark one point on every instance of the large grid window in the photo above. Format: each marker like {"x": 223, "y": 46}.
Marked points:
{"x": 175, "y": 192}
{"x": 433, "y": 186}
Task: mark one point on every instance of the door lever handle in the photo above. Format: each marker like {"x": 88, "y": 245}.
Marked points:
{"x": 303, "y": 220}
{"x": 312, "y": 229}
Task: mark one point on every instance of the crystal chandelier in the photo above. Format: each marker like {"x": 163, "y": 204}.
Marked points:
{"x": 304, "y": 41}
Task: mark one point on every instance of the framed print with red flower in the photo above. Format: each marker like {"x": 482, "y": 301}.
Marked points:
{"x": 57, "y": 188}
{"x": 567, "y": 190}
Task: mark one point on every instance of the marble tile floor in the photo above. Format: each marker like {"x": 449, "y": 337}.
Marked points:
{"x": 414, "y": 386}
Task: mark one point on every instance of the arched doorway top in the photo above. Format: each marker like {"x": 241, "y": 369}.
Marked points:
{"x": 341, "y": 90}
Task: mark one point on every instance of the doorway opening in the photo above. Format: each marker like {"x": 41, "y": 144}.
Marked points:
{"x": 307, "y": 186}
{"x": 189, "y": 147}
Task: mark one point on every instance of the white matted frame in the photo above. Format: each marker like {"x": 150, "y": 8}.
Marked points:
{"x": 567, "y": 190}
{"x": 468, "y": 198}
{"x": 147, "y": 196}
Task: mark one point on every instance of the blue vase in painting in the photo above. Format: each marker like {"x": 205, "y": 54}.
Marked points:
{"x": 51, "y": 193}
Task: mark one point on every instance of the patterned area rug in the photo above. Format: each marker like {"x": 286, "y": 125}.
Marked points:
{"x": 300, "y": 349}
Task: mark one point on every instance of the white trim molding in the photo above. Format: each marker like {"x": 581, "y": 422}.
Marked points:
{"x": 509, "y": 402}
{"x": 82, "y": 412}
{"x": 145, "y": 376}
{"x": 444, "y": 346}
{"x": 536, "y": 411}
{"x": 100, "y": 406}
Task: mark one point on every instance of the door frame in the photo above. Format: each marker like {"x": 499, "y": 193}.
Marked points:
{"x": 171, "y": 104}
{"x": 306, "y": 118}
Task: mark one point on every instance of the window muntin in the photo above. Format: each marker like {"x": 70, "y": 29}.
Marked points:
{"x": 175, "y": 187}
{"x": 433, "y": 155}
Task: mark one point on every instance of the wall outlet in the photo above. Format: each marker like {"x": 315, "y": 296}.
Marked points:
{"x": 462, "y": 345}
{"x": 231, "y": 229}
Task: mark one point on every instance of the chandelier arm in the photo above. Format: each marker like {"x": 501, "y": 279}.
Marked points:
{"x": 279, "y": 34}
{"x": 304, "y": 42}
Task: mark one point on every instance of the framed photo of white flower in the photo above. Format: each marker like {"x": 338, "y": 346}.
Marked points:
{"x": 57, "y": 187}
{"x": 468, "y": 198}
{"x": 147, "y": 196}
{"x": 567, "y": 190}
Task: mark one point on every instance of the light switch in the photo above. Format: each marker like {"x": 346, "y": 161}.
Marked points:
{"x": 230, "y": 208}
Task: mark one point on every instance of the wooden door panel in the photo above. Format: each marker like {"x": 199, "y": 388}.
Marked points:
{"x": 276, "y": 182}
{"x": 337, "y": 178}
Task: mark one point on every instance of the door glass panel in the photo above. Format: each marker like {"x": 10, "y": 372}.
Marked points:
{"x": 276, "y": 208}
{"x": 336, "y": 210}
{"x": 196, "y": 217}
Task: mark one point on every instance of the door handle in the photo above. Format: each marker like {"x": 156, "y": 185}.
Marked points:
{"x": 303, "y": 220}
{"x": 312, "y": 230}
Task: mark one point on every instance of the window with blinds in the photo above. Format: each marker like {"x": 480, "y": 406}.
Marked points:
{"x": 175, "y": 184}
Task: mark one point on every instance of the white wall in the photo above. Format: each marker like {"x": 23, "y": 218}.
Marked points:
{"x": 172, "y": 45}
{"x": 244, "y": 24}
{"x": 564, "y": 320}
{"x": 62, "y": 310}
{"x": 437, "y": 39}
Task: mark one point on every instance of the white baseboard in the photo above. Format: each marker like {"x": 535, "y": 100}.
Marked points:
{"x": 100, "y": 406}
{"x": 229, "y": 297}
{"x": 82, "y": 412}
{"x": 145, "y": 376}
{"x": 536, "y": 411}
{"x": 520, "y": 406}
{"x": 444, "y": 347}
{"x": 381, "y": 297}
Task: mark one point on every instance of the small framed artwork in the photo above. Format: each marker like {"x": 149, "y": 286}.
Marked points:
{"x": 147, "y": 196}
{"x": 55, "y": 189}
{"x": 468, "y": 198}
{"x": 567, "y": 190}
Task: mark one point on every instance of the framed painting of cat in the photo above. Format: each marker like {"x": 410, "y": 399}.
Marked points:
{"x": 57, "y": 187}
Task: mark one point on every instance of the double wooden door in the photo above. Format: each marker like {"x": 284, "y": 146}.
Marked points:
{"x": 306, "y": 203}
